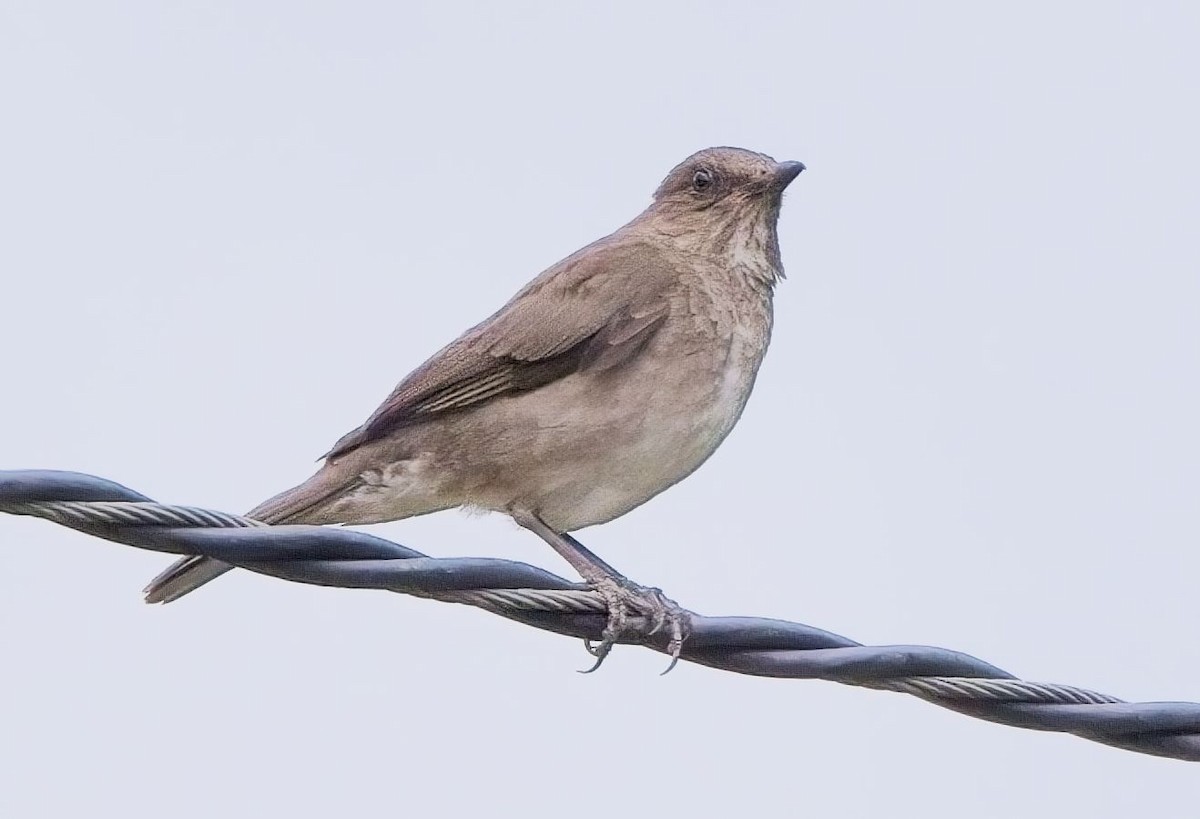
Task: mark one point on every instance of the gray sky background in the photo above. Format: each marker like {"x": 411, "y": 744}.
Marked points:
{"x": 230, "y": 228}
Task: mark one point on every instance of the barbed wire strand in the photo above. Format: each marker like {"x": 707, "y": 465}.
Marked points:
{"x": 326, "y": 556}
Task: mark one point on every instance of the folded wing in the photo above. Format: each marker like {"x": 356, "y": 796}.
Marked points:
{"x": 593, "y": 310}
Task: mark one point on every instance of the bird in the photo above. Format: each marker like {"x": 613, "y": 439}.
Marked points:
{"x": 608, "y": 378}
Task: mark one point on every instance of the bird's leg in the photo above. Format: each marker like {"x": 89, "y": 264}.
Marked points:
{"x": 620, "y": 594}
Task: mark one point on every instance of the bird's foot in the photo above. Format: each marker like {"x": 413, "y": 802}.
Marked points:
{"x": 623, "y": 597}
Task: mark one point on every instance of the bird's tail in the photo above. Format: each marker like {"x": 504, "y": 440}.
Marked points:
{"x": 301, "y": 504}
{"x": 184, "y": 575}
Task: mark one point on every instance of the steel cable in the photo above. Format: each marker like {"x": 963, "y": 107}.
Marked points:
{"x": 326, "y": 556}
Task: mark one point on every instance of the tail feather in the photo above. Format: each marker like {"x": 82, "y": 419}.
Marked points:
{"x": 184, "y": 575}
{"x": 301, "y": 504}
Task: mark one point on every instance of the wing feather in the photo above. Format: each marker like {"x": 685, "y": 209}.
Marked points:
{"x": 595, "y": 309}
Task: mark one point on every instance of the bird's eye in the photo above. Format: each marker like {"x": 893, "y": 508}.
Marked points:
{"x": 702, "y": 180}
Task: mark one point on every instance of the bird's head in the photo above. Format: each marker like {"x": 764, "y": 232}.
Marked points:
{"x": 725, "y": 199}
{"x": 725, "y": 178}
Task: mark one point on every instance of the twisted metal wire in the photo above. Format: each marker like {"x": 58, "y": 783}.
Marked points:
{"x": 327, "y": 556}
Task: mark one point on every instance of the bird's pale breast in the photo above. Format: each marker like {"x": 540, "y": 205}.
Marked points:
{"x": 608, "y": 442}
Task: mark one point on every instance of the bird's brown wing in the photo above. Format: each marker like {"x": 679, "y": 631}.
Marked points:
{"x": 593, "y": 310}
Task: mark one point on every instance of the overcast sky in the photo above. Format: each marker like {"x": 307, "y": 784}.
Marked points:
{"x": 230, "y": 228}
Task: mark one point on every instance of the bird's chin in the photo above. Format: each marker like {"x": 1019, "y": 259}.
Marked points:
{"x": 772, "y": 200}
{"x": 773, "y": 194}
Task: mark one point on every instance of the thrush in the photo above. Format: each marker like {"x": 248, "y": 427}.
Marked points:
{"x": 608, "y": 378}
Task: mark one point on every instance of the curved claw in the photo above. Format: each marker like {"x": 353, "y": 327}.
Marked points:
{"x": 595, "y": 665}
{"x": 600, "y": 652}
{"x": 658, "y": 619}
{"x": 675, "y": 647}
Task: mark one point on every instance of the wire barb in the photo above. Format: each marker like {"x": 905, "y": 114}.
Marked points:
{"x": 326, "y": 556}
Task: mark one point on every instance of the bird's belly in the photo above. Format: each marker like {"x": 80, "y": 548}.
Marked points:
{"x": 610, "y": 450}
{"x": 628, "y": 474}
